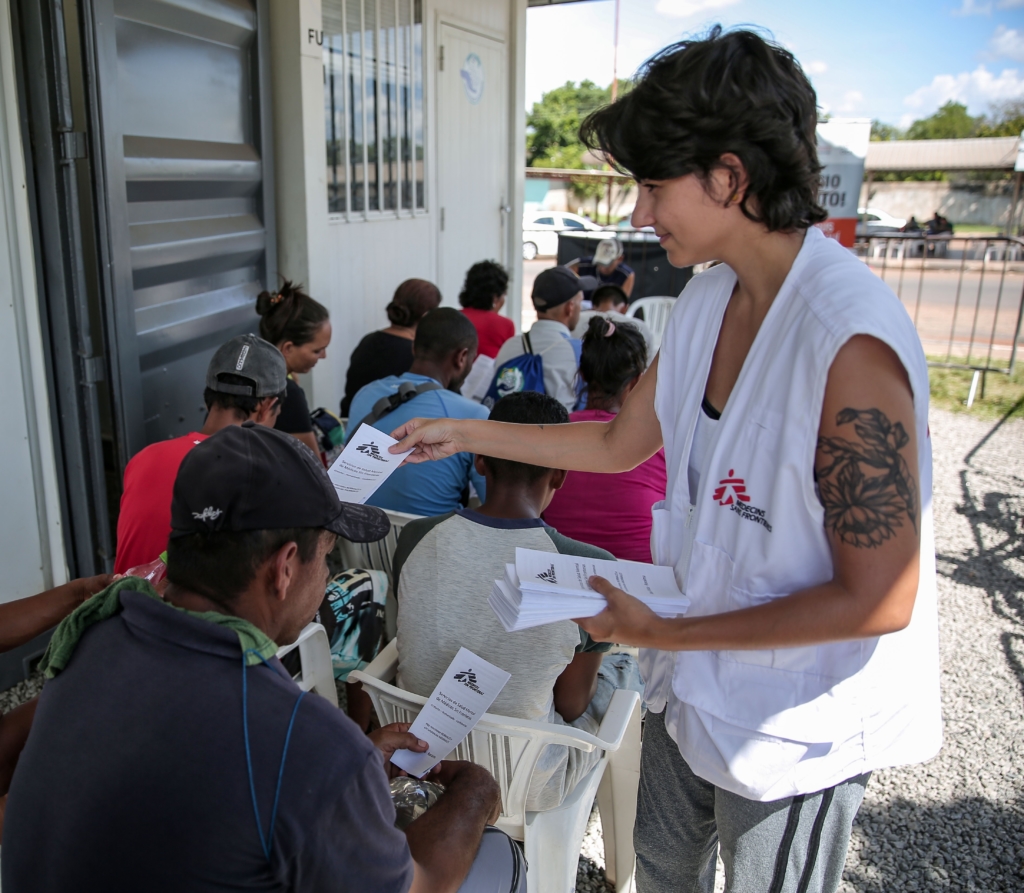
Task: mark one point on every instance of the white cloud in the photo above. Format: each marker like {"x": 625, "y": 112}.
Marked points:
{"x": 976, "y": 8}
{"x": 851, "y": 99}
{"x": 682, "y": 8}
{"x": 816, "y": 67}
{"x": 1010, "y": 4}
{"x": 976, "y": 89}
{"x": 1007, "y": 43}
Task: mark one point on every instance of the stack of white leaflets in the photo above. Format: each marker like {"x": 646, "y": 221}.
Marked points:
{"x": 545, "y": 587}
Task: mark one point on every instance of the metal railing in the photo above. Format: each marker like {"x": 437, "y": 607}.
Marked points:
{"x": 964, "y": 293}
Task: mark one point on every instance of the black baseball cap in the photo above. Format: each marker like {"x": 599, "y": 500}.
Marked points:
{"x": 555, "y": 286}
{"x": 249, "y": 367}
{"x": 250, "y": 477}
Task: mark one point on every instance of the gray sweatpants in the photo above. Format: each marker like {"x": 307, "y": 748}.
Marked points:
{"x": 795, "y": 845}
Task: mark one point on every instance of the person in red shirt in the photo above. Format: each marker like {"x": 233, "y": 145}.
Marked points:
{"x": 612, "y": 511}
{"x": 246, "y": 379}
{"x": 482, "y": 296}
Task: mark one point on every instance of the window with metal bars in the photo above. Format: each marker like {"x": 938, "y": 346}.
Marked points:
{"x": 373, "y": 96}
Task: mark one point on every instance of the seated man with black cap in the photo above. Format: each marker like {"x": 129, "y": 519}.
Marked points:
{"x": 172, "y": 752}
{"x": 246, "y": 380}
{"x": 558, "y": 297}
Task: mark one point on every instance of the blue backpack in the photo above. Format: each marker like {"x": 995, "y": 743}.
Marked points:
{"x": 522, "y": 373}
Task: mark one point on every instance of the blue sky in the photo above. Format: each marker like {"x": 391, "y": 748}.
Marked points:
{"x": 895, "y": 60}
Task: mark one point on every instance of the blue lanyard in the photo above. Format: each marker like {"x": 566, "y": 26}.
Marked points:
{"x": 266, "y": 842}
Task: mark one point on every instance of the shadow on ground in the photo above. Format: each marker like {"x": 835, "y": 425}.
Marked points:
{"x": 982, "y": 847}
{"x": 996, "y": 564}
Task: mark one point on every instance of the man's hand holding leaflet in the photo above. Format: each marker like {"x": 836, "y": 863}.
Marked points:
{"x": 459, "y": 700}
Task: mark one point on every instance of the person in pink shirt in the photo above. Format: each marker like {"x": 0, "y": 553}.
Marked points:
{"x": 612, "y": 511}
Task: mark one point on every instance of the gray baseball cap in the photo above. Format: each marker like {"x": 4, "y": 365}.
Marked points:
{"x": 247, "y": 357}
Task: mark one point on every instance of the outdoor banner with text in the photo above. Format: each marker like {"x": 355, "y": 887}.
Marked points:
{"x": 842, "y": 148}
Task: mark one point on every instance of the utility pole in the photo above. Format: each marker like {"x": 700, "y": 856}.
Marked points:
{"x": 615, "y": 55}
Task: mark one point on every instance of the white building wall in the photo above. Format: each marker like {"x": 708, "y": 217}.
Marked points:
{"x": 31, "y": 544}
{"x": 354, "y": 266}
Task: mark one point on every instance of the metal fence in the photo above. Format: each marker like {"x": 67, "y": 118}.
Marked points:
{"x": 964, "y": 293}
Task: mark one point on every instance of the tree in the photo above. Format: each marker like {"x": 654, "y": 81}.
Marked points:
{"x": 882, "y": 131}
{"x": 1007, "y": 119}
{"x": 553, "y": 131}
{"x": 553, "y": 124}
{"x": 951, "y": 122}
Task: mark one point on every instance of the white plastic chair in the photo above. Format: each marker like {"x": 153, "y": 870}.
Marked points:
{"x": 377, "y": 556}
{"x": 316, "y": 674}
{"x": 656, "y": 314}
{"x": 509, "y": 749}
{"x": 1002, "y": 251}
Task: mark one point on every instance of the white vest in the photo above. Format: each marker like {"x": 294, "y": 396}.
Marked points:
{"x": 858, "y": 705}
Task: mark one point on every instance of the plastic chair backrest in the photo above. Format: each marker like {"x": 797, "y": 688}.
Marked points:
{"x": 376, "y": 555}
{"x": 509, "y": 748}
{"x": 316, "y": 673}
{"x": 656, "y": 314}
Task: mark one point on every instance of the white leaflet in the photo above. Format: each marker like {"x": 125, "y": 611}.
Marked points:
{"x": 364, "y": 464}
{"x": 467, "y": 688}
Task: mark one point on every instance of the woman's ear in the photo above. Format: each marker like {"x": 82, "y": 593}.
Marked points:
{"x": 730, "y": 180}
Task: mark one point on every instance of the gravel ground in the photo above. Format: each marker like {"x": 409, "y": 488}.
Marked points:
{"x": 956, "y": 823}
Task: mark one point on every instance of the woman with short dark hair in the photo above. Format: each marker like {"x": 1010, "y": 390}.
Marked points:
{"x": 791, "y": 396}
{"x": 482, "y": 297}
{"x": 389, "y": 351}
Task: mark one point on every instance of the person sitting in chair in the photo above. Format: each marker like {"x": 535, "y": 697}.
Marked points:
{"x": 444, "y": 568}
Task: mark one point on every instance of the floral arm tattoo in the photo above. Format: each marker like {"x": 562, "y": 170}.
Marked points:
{"x": 867, "y": 489}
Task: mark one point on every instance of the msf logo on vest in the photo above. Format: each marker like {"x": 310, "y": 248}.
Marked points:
{"x": 732, "y": 492}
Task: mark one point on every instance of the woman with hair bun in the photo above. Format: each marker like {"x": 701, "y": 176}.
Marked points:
{"x": 612, "y": 511}
{"x": 300, "y": 328}
{"x": 389, "y": 351}
{"x": 790, "y": 394}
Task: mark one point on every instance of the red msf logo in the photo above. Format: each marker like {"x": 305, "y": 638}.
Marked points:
{"x": 730, "y": 489}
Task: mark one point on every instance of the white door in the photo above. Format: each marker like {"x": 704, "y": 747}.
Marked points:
{"x": 472, "y": 147}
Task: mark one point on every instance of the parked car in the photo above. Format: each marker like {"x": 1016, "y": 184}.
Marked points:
{"x": 875, "y": 221}
{"x": 541, "y": 229}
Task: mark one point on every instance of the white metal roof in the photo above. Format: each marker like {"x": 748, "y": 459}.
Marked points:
{"x": 981, "y": 154}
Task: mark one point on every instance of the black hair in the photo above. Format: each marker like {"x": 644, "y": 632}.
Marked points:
{"x": 441, "y": 332}
{"x": 524, "y": 408}
{"x": 241, "y": 405}
{"x": 289, "y": 314}
{"x": 485, "y": 281}
{"x": 220, "y": 565}
{"x": 608, "y": 291}
{"x": 728, "y": 92}
{"x": 608, "y": 362}
{"x": 413, "y": 299}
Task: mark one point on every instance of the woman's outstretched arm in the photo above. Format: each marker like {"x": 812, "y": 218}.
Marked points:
{"x": 632, "y": 437}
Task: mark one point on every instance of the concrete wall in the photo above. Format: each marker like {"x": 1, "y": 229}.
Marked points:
{"x": 986, "y": 204}
{"x": 354, "y": 266}
{"x": 31, "y": 544}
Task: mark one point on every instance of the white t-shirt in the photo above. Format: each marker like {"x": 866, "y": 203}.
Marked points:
{"x": 553, "y": 341}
